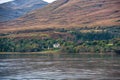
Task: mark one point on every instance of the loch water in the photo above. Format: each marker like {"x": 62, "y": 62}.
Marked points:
{"x": 59, "y": 67}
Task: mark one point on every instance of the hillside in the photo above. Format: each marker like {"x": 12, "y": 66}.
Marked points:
{"x": 76, "y": 25}
{"x": 69, "y": 14}
{"x": 17, "y": 8}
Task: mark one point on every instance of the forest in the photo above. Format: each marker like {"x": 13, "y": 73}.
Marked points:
{"x": 100, "y": 40}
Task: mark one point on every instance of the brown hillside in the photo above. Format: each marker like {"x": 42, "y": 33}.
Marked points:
{"x": 69, "y": 13}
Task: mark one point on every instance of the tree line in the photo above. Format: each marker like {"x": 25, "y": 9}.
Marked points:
{"x": 82, "y": 42}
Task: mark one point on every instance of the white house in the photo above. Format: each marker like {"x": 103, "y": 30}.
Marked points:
{"x": 56, "y": 45}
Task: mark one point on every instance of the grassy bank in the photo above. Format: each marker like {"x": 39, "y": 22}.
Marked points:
{"x": 42, "y": 52}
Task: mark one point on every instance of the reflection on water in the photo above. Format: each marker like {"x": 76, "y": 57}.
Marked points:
{"x": 59, "y": 67}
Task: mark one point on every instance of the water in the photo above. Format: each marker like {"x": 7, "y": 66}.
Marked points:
{"x": 59, "y": 67}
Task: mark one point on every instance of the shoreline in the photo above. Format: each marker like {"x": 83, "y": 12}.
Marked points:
{"x": 26, "y": 53}
{"x": 30, "y": 53}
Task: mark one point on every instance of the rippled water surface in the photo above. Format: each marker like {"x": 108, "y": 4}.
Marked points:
{"x": 59, "y": 67}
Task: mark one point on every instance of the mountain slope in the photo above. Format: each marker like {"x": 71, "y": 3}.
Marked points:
{"x": 70, "y": 13}
{"x": 17, "y": 8}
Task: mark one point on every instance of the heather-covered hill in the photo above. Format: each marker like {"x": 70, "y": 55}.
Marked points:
{"x": 69, "y": 13}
